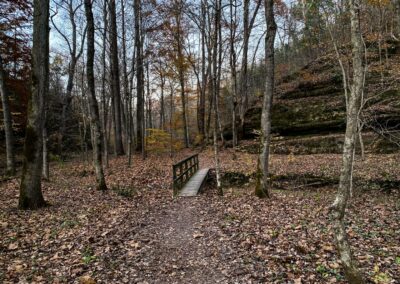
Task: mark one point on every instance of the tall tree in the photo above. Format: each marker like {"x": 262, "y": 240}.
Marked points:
{"x": 338, "y": 207}
{"x": 115, "y": 81}
{"x": 262, "y": 189}
{"x": 7, "y": 122}
{"x": 139, "y": 78}
{"x": 31, "y": 196}
{"x": 232, "y": 64}
{"x": 216, "y": 84}
{"x": 125, "y": 77}
{"x": 45, "y": 166}
{"x": 103, "y": 83}
{"x": 204, "y": 75}
{"x": 94, "y": 109}
{"x": 396, "y": 4}
{"x": 248, "y": 24}
{"x": 180, "y": 63}
{"x": 161, "y": 71}
{"x": 149, "y": 100}
{"x": 75, "y": 52}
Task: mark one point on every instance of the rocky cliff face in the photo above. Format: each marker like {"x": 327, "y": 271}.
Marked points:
{"x": 309, "y": 108}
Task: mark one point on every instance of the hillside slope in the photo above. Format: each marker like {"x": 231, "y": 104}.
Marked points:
{"x": 308, "y": 114}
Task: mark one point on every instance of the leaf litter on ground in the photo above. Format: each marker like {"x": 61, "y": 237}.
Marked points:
{"x": 137, "y": 233}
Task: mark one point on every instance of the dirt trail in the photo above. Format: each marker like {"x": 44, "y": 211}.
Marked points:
{"x": 180, "y": 247}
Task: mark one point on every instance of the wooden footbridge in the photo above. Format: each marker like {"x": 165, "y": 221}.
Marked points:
{"x": 188, "y": 178}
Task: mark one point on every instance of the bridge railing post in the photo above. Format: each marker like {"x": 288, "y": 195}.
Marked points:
{"x": 183, "y": 171}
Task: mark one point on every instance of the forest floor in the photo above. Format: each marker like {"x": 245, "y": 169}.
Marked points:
{"x": 137, "y": 233}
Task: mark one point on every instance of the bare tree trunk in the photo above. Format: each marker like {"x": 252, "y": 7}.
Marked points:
{"x": 209, "y": 83}
{"x": 232, "y": 63}
{"x": 181, "y": 75}
{"x": 171, "y": 117}
{"x": 397, "y": 17}
{"x": 215, "y": 94}
{"x": 103, "y": 84}
{"x": 139, "y": 78}
{"x": 7, "y": 122}
{"x": 202, "y": 101}
{"x": 184, "y": 114}
{"x": 115, "y": 82}
{"x": 219, "y": 71}
{"x": 94, "y": 109}
{"x": 243, "y": 72}
{"x": 45, "y": 167}
{"x": 125, "y": 75}
{"x": 30, "y": 194}
{"x": 360, "y": 127}
{"x": 262, "y": 189}
{"x": 162, "y": 104}
{"x": 130, "y": 111}
{"x": 149, "y": 101}
{"x": 339, "y": 206}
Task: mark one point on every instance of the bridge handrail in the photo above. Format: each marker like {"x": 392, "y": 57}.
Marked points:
{"x": 184, "y": 170}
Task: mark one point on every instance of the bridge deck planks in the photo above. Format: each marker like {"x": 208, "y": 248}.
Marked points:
{"x": 194, "y": 184}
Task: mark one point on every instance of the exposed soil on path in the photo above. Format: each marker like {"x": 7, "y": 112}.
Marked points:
{"x": 182, "y": 245}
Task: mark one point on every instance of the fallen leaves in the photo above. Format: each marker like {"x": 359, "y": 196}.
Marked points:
{"x": 13, "y": 246}
{"x": 88, "y": 236}
{"x": 197, "y": 235}
{"x": 86, "y": 280}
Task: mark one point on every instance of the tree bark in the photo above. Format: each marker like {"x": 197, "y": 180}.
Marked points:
{"x": 94, "y": 109}
{"x": 130, "y": 110}
{"x": 171, "y": 117}
{"x": 232, "y": 63}
{"x": 397, "y": 17}
{"x": 162, "y": 103}
{"x": 45, "y": 166}
{"x": 262, "y": 189}
{"x": 7, "y": 122}
{"x": 181, "y": 72}
{"x": 139, "y": 78}
{"x": 126, "y": 98}
{"x": 30, "y": 194}
{"x": 115, "y": 82}
{"x": 202, "y": 100}
{"x": 215, "y": 76}
{"x": 149, "y": 101}
{"x": 103, "y": 84}
{"x": 219, "y": 72}
{"x": 243, "y": 72}
{"x": 338, "y": 208}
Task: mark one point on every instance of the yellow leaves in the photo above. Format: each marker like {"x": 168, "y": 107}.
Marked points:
{"x": 380, "y": 277}
{"x": 328, "y": 248}
{"x": 378, "y": 3}
{"x": 291, "y": 157}
{"x": 160, "y": 141}
{"x": 86, "y": 279}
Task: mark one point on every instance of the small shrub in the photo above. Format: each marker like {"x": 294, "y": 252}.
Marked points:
{"x": 88, "y": 256}
{"x": 159, "y": 141}
{"x": 55, "y": 158}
